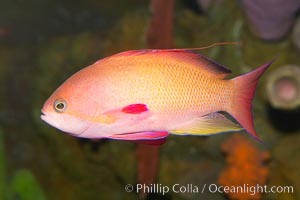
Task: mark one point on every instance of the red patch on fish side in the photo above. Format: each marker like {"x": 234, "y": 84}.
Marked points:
{"x": 135, "y": 109}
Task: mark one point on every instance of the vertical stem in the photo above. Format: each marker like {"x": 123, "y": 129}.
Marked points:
{"x": 160, "y": 32}
{"x": 159, "y": 35}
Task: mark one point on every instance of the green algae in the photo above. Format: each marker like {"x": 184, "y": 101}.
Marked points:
{"x": 23, "y": 185}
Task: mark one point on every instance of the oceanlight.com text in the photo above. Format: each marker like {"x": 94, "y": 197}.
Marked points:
{"x": 210, "y": 188}
{"x": 251, "y": 189}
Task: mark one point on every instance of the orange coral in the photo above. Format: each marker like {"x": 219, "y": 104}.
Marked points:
{"x": 245, "y": 169}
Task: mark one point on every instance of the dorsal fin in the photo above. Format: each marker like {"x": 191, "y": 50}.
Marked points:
{"x": 212, "y": 66}
{"x": 136, "y": 52}
{"x": 183, "y": 56}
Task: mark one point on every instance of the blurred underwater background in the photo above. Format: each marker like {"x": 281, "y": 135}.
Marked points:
{"x": 43, "y": 42}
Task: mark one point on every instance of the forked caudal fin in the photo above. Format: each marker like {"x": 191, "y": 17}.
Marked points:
{"x": 244, "y": 89}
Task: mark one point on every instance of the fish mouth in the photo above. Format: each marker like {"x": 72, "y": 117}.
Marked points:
{"x": 43, "y": 115}
{"x": 58, "y": 122}
{"x": 48, "y": 118}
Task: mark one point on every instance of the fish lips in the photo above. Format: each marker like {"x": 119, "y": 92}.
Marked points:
{"x": 64, "y": 122}
{"x": 43, "y": 116}
{"x": 51, "y": 119}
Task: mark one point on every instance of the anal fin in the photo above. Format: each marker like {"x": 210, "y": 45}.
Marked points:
{"x": 207, "y": 125}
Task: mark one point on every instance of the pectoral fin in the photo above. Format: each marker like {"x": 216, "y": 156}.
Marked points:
{"x": 105, "y": 119}
{"x": 124, "y": 116}
{"x": 207, "y": 125}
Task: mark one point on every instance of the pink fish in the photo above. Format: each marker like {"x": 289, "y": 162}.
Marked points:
{"x": 145, "y": 95}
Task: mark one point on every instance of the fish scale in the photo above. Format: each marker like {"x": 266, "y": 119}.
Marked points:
{"x": 179, "y": 86}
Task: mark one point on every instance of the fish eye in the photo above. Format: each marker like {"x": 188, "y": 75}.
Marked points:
{"x": 60, "y": 105}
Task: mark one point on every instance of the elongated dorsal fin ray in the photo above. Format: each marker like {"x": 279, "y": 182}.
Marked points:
{"x": 143, "y": 51}
{"x": 210, "y": 46}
